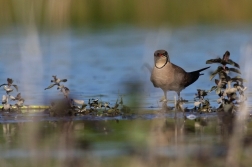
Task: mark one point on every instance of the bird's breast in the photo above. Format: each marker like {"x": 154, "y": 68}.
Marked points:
{"x": 162, "y": 77}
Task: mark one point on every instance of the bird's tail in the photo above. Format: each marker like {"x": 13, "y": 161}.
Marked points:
{"x": 191, "y": 77}
{"x": 198, "y": 71}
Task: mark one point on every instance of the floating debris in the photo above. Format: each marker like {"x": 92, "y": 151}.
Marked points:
{"x": 191, "y": 116}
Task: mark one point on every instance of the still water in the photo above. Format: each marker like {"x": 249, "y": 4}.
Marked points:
{"x": 104, "y": 62}
{"x": 107, "y": 64}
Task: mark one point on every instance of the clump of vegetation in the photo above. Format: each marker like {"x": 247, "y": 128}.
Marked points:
{"x": 230, "y": 96}
{"x": 7, "y": 106}
{"x": 201, "y": 104}
{"x": 75, "y": 107}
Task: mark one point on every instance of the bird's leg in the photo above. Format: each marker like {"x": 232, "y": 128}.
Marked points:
{"x": 179, "y": 98}
{"x": 165, "y": 94}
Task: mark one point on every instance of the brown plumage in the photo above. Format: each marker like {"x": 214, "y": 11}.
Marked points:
{"x": 170, "y": 77}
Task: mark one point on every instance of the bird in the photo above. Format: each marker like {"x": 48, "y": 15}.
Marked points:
{"x": 64, "y": 90}
{"x": 55, "y": 81}
{"x": 7, "y": 86}
{"x": 170, "y": 77}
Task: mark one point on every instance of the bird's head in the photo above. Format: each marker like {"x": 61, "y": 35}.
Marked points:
{"x": 161, "y": 58}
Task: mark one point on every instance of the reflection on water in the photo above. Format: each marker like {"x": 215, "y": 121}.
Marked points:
{"x": 153, "y": 142}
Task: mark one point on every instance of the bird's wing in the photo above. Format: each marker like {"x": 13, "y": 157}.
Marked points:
{"x": 231, "y": 62}
{"x": 16, "y": 87}
{"x": 64, "y": 80}
{"x": 52, "y": 85}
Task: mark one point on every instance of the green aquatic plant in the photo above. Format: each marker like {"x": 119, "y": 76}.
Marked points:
{"x": 230, "y": 96}
{"x": 200, "y": 103}
{"x": 5, "y": 98}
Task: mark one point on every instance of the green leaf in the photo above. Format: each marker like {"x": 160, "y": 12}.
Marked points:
{"x": 218, "y": 60}
{"x": 235, "y": 70}
{"x": 231, "y": 62}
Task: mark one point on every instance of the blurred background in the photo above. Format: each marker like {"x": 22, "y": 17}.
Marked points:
{"x": 100, "y": 46}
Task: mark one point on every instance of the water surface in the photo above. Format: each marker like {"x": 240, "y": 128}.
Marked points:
{"x": 104, "y": 62}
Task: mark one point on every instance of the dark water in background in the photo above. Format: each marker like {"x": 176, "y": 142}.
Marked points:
{"x": 101, "y": 62}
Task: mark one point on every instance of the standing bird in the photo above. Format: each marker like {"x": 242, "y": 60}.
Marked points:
{"x": 170, "y": 77}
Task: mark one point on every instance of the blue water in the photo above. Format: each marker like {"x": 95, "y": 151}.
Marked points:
{"x": 105, "y": 62}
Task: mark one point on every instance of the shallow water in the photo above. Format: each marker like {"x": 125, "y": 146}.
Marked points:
{"x": 145, "y": 142}
{"x": 106, "y": 64}
{"x": 102, "y": 63}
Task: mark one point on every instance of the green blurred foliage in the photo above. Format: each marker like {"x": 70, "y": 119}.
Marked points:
{"x": 64, "y": 13}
